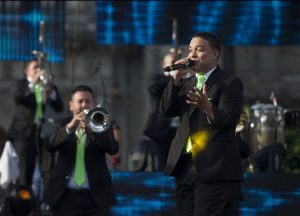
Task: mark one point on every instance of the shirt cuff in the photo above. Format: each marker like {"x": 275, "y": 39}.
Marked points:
{"x": 31, "y": 87}
{"x": 68, "y": 131}
{"x": 208, "y": 119}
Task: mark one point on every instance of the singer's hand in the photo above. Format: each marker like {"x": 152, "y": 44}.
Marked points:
{"x": 178, "y": 74}
{"x": 200, "y": 100}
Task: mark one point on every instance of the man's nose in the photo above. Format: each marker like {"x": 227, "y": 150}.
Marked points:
{"x": 193, "y": 53}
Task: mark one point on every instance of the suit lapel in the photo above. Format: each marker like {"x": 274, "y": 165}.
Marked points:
{"x": 212, "y": 78}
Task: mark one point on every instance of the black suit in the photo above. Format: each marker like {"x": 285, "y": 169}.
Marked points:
{"x": 99, "y": 178}
{"x": 219, "y": 160}
{"x": 23, "y": 130}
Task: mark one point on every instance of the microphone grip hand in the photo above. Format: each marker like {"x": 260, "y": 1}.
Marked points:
{"x": 181, "y": 68}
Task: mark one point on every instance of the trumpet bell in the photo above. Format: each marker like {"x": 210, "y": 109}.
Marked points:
{"x": 98, "y": 119}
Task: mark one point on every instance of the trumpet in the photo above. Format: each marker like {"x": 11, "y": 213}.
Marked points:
{"x": 98, "y": 119}
{"x": 45, "y": 77}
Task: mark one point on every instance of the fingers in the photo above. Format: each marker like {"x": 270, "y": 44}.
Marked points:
{"x": 183, "y": 61}
{"x": 204, "y": 89}
{"x": 197, "y": 97}
{"x": 193, "y": 97}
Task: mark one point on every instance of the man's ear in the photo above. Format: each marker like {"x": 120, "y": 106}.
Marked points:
{"x": 216, "y": 55}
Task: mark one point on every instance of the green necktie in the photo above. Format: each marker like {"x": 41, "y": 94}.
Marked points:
{"x": 200, "y": 82}
{"x": 39, "y": 103}
{"x": 79, "y": 175}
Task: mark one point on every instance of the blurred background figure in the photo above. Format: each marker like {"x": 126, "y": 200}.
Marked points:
{"x": 31, "y": 96}
{"x": 113, "y": 161}
{"x": 153, "y": 148}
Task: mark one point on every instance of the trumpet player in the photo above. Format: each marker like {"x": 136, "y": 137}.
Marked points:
{"x": 25, "y": 128}
{"x": 80, "y": 182}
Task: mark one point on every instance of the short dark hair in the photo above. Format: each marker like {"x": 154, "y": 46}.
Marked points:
{"x": 211, "y": 38}
{"x": 27, "y": 63}
{"x": 85, "y": 88}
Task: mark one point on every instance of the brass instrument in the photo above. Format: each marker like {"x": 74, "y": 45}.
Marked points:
{"x": 98, "y": 119}
{"x": 242, "y": 122}
{"x": 46, "y": 77}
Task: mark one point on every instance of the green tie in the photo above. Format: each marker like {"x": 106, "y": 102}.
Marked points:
{"x": 188, "y": 146}
{"x": 200, "y": 82}
{"x": 79, "y": 175}
{"x": 39, "y": 102}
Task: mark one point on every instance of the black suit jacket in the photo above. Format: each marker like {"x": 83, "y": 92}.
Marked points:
{"x": 98, "y": 174}
{"x": 220, "y": 159}
{"x": 25, "y": 105}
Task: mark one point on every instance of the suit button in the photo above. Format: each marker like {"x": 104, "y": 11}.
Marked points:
{"x": 67, "y": 177}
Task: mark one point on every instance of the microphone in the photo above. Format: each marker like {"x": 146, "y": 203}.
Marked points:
{"x": 179, "y": 66}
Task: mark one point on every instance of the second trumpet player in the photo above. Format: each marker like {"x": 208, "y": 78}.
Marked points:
{"x": 29, "y": 114}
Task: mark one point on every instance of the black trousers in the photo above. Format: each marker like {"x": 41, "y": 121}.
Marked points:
{"x": 28, "y": 151}
{"x": 79, "y": 203}
{"x": 198, "y": 198}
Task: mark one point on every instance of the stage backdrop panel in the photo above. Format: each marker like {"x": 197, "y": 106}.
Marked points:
{"x": 236, "y": 23}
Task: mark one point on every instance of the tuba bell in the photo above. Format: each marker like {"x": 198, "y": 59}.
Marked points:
{"x": 98, "y": 119}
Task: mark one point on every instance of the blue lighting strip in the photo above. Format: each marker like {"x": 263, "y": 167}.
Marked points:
{"x": 130, "y": 22}
{"x": 236, "y": 23}
{"x": 207, "y": 17}
{"x": 276, "y": 7}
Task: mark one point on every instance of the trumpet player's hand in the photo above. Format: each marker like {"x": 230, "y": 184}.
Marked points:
{"x": 84, "y": 126}
{"x": 35, "y": 77}
{"x": 78, "y": 120}
{"x": 49, "y": 87}
{"x": 178, "y": 74}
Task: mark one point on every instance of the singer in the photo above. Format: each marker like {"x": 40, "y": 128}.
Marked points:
{"x": 204, "y": 157}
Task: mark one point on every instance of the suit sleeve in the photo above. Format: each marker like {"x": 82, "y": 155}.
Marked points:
{"x": 230, "y": 104}
{"x": 21, "y": 93}
{"x": 57, "y": 104}
{"x": 106, "y": 141}
{"x": 157, "y": 84}
{"x": 56, "y": 141}
{"x": 170, "y": 104}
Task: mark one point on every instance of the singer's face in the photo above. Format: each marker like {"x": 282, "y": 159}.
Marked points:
{"x": 81, "y": 100}
{"x": 205, "y": 56}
